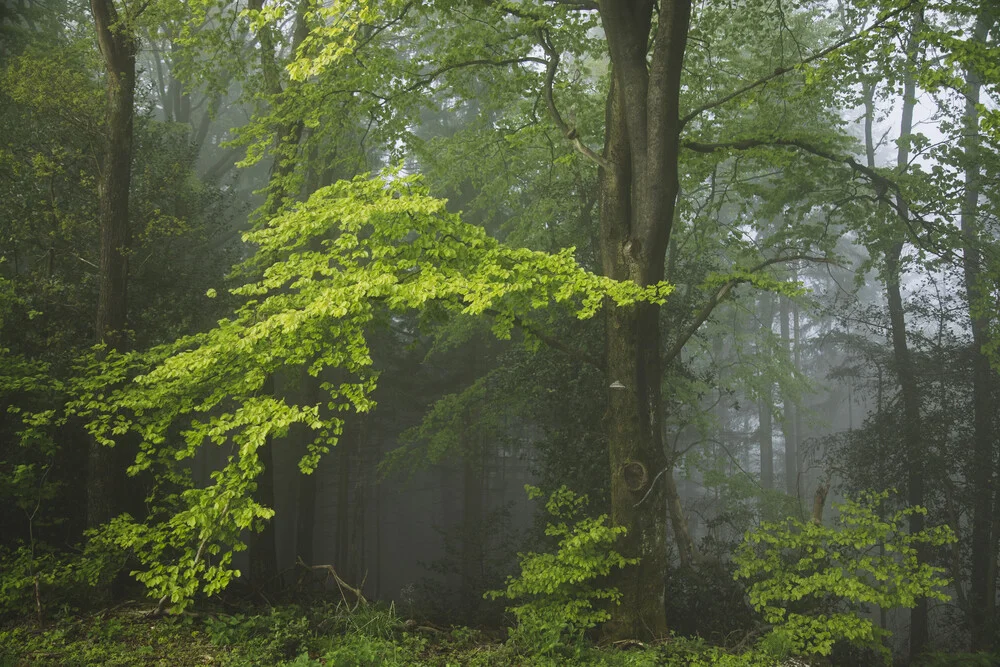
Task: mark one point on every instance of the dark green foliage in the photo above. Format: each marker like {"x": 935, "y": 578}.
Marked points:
{"x": 704, "y": 600}
{"x": 322, "y": 635}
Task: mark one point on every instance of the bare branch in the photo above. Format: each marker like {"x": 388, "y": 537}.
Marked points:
{"x": 552, "y": 65}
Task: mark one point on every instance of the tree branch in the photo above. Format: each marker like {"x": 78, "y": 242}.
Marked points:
{"x": 553, "y": 342}
{"x": 429, "y": 77}
{"x": 882, "y": 184}
{"x": 780, "y": 71}
{"x": 552, "y": 65}
{"x": 720, "y": 295}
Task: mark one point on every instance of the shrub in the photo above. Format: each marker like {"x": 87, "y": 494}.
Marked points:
{"x": 804, "y": 574}
{"x": 557, "y": 591}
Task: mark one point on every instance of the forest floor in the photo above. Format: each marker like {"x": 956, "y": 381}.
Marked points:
{"x": 327, "y": 635}
{"x": 295, "y": 636}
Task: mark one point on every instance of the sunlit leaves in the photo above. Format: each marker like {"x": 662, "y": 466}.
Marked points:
{"x": 326, "y": 269}
{"x": 556, "y": 591}
{"x": 868, "y": 558}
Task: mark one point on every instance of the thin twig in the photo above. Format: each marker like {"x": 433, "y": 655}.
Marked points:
{"x": 655, "y": 480}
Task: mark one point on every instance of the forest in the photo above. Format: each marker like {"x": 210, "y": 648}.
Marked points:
{"x": 499, "y": 332}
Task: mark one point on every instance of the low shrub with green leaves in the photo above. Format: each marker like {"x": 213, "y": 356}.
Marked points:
{"x": 808, "y": 580}
{"x": 557, "y": 594}
{"x": 37, "y": 579}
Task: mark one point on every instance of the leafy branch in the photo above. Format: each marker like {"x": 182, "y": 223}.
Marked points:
{"x": 780, "y": 71}
{"x": 720, "y": 295}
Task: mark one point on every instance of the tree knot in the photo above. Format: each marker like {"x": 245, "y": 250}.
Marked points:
{"x": 635, "y": 475}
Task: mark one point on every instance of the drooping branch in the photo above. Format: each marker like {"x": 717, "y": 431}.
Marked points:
{"x": 781, "y": 71}
{"x": 721, "y": 294}
{"x": 342, "y": 586}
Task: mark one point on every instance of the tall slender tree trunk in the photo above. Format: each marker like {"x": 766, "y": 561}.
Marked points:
{"x": 305, "y": 501}
{"x": 789, "y": 411}
{"x": 638, "y": 191}
{"x": 105, "y": 465}
{"x": 473, "y": 479}
{"x": 982, "y": 589}
{"x": 912, "y": 430}
{"x": 263, "y": 550}
{"x": 765, "y": 404}
{"x": 342, "y": 554}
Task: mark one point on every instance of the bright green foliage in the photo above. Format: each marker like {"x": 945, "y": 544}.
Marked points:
{"x": 557, "y": 589}
{"x": 327, "y": 269}
{"x": 803, "y": 573}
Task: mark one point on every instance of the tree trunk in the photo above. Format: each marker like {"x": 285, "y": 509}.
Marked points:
{"x": 789, "y": 412}
{"x": 912, "y": 430}
{"x": 472, "y": 525}
{"x": 902, "y": 362}
{"x": 765, "y": 405}
{"x": 638, "y": 191}
{"x": 982, "y": 587}
{"x": 106, "y": 466}
{"x": 765, "y": 438}
{"x": 263, "y": 549}
{"x": 305, "y": 502}
{"x": 343, "y": 521}
{"x": 263, "y": 554}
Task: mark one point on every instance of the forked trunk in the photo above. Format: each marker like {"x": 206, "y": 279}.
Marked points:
{"x": 638, "y": 193}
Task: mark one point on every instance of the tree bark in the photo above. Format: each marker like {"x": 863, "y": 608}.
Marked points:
{"x": 263, "y": 554}
{"x": 305, "y": 501}
{"x": 982, "y": 589}
{"x": 902, "y": 361}
{"x": 638, "y": 192}
{"x": 472, "y": 525}
{"x": 912, "y": 430}
{"x": 345, "y": 444}
{"x": 105, "y": 465}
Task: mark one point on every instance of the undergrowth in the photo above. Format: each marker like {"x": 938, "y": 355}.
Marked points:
{"x": 327, "y": 636}
{"x": 323, "y": 635}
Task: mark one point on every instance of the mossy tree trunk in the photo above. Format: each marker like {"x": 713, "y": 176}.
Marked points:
{"x": 638, "y": 193}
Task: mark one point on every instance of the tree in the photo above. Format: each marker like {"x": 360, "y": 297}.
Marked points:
{"x": 983, "y": 576}
{"x": 118, "y": 45}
